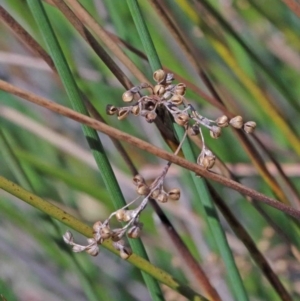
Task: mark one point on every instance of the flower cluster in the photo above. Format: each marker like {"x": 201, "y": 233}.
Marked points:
{"x": 170, "y": 97}
{"x": 132, "y": 227}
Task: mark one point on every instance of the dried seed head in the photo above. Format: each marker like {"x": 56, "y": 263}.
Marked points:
{"x": 180, "y": 89}
{"x": 120, "y": 215}
{"x": 155, "y": 193}
{"x": 143, "y": 189}
{"x": 105, "y": 232}
{"x": 135, "y": 110}
{"x": 159, "y": 90}
{"x": 122, "y": 113}
{"x": 138, "y": 179}
{"x": 150, "y": 117}
{"x": 128, "y": 215}
{"x": 162, "y": 197}
{"x": 127, "y": 96}
{"x": 236, "y": 122}
{"x": 159, "y": 75}
{"x": 182, "y": 119}
{"x": 134, "y": 232}
{"x": 93, "y": 250}
{"x": 207, "y": 161}
{"x": 249, "y": 127}
{"x": 222, "y": 121}
{"x": 174, "y": 194}
{"x": 177, "y": 100}
{"x": 215, "y": 132}
{"x": 97, "y": 226}
{"x": 111, "y": 110}
{"x": 125, "y": 252}
{"x": 68, "y": 238}
{"x": 167, "y": 95}
{"x": 194, "y": 130}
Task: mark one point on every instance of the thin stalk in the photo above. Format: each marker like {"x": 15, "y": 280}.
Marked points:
{"x": 80, "y": 227}
{"x": 90, "y": 134}
{"x": 211, "y": 214}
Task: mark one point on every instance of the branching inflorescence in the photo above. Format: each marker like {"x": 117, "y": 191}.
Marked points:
{"x": 170, "y": 97}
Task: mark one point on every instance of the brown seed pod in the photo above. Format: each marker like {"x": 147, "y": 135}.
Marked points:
{"x": 180, "y": 89}
{"x": 134, "y": 232}
{"x": 128, "y": 215}
{"x": 174, "y": 194}
{"x": 143, "y": 189}
{"x": 111, "y": 110}
{"x": 177, "y": 100}
{"x": 159, "y": 75}
{"x": 122, "y": 114}
{"x": 207, "y": 161}
{"x": 105, "y": 232}
{"x": 155, "y": 193}
{"x": 138, "y": 179}
{"x": 249, "y": 127}
{"x": 93, "y": 250}
{"x": 194, "y": 130}
{"x": 236, "y": 122}
{"x": 222, "y": 121}
{"x": 159, "y": 90}
{"x": 215, "y": 132}
{"x": 120, "y": 215}
{"x": 135, "y": 110}
{"x": 125, "y": 252}
{"x": 150, "y": 117}
{"x": 127, "y": 96}
{"x": 182, "y": 119}
{"x": 162, "y": 197}
{"x": 97, "y": 226}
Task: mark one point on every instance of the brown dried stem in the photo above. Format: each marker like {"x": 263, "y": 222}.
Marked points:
{"x": 117, "y": 134}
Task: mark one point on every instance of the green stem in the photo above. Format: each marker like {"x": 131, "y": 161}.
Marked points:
{"x": 70, "y": 221}
{"x": 91, "y": 135}
{"x": 209, "y": 209}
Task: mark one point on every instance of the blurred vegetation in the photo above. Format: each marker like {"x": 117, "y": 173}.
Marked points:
{"x": 237, "y": 58}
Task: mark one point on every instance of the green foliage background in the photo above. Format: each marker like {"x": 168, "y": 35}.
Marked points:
{"x": 249, "y": 50}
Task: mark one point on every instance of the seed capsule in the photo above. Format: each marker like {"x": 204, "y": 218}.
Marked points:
{"x": 236, "y": 122}
{"x": 159, "y": 90}
{"x": 134, "y": 232}
{"x": 120, "y": 215}
{"x": 97, "y": 226}
{"x": 127, "y": 96}
{"x": 174, "y": 194}
{"x": 182, "y": 119}
{"x": 180, "y": 89}
{"x": 222, "y": 121}
{"x": 122, "y": 114}
{"x": 155, "y": 193}
{"x": 207, "y": 161}
{"x": 162, "y": 197}
{"x": 93, "y": 250}
{"x": 194, "y": 130}
{"x": 138, "y": 179}
{"x": 159, "y": 75}
{"x": 125, "y": 253}
{"x": 215, "y": 132}
{"x": 150, "y": 117}
{"x": 177, "y": 100}
{"x": 105, "y": 232}
{"x": 111, "y": 110}
{"x": 249, "y": 127}
{"x": 143, "y": 189}
{"x": 135, "y": 110}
